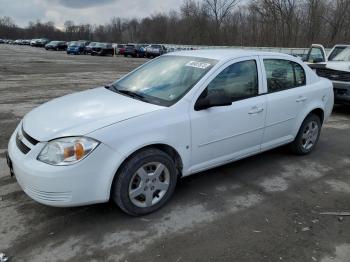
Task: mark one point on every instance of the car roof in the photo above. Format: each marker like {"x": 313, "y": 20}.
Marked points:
{"x": 223, "y": 54}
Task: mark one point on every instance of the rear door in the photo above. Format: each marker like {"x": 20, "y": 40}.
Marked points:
{"x": 286, "y": 83}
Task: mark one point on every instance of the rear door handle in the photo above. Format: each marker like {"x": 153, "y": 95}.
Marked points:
{"x": 255, "y": 110}
{"x": 301, "y": 99}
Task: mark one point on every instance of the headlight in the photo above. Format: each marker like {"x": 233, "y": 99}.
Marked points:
{"x": 67, "y": 150}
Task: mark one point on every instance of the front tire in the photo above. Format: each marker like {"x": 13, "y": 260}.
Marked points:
{"x": 308, "y": 135}
{"x": 145, "y": 182}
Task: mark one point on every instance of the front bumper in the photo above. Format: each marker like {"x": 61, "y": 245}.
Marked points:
{"x": 86, "y": 182}
{"x": 341, "y": 92}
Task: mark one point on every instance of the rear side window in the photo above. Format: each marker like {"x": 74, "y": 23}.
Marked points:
{"x": 283, "y": 74}
{"x": 239, "y": 81}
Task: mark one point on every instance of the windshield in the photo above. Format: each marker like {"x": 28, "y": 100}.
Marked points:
{"x": 341, "y": 53}
{"x": 166, "y": 79}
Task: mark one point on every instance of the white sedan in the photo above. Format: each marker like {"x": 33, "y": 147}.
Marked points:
{"x": 174, "y": 116}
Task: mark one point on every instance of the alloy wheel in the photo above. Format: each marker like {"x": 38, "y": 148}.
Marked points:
{"x": 149, "y": 184}
{"x": 310, "y": 135}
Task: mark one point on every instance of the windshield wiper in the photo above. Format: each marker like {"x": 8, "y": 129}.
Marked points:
{"x": 126, "y": 92}
{"x": 131, "y": 93}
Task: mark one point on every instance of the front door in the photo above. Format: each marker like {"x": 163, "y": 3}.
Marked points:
{"x": 222, "y": 134}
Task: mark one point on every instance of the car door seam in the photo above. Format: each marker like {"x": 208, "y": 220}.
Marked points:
{"x": 279, "y": 122}
{"x": 232, "y": 136}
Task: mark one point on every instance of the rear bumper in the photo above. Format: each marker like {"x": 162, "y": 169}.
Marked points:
{"x": 341, "y": 92}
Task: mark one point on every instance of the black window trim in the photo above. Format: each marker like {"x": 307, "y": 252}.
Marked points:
{"x": 256, "y": 60}
{"x": 294, "y": 76}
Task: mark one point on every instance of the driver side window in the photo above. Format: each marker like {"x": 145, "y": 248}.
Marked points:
{"x": 238, "y": 81}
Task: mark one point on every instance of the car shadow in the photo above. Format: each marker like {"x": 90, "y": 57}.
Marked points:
{"x": 342, "y": 109}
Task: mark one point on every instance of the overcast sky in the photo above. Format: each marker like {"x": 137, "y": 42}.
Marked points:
{"x": 82, "y": 11}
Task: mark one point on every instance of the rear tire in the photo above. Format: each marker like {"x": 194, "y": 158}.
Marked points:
{"x": 308, "y": 135}
{"x": 145, "y": 182}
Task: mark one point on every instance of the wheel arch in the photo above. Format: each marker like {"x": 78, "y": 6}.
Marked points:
{"x": 318, "y": 111}
{"x": 170, "y": 150}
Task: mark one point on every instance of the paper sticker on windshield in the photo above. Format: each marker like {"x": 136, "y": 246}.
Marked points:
{"x": 200, "y": 65}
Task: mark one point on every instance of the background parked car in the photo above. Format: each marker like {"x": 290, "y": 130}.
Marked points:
{"x": 33, "y": 42}
{"x": 335, "y": 67}
{"x": 89, "y": 47}
{"x": 41, "y": 42}
{"x": 155, "y": 50}
{"x": 56, "y": 45}
{"x": 18, "y": 41}
{"x": 130, "y": 50}
{"x": 76, "y": 48}
{"x": 141, "y": 50}
{"x": 102, "y": 49}
{"x": 2, "y": 41}
{"x": 85, "y": 42}
{"x": 120, "y": 49}
{"x": 26, "y": 42}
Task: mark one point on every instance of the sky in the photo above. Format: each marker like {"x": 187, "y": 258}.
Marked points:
{"x": 82, "y": 11}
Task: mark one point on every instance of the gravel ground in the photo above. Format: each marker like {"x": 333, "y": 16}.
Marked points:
{"x": 265, "y": 208}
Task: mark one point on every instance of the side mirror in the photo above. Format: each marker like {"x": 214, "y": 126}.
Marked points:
{"x": 212, "y": 100}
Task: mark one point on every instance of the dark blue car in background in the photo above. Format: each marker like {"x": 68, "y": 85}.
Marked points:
{"x": 76, "y": 48}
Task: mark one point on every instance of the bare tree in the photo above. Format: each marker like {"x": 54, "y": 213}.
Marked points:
{"x": 220, "y": 9}
{"x": 290, "y": 23}
{"x": 337, "y": 17}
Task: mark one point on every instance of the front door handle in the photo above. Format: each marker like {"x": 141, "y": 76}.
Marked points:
{"x": 255, "y": 110}
{"x": 301, "y": 99}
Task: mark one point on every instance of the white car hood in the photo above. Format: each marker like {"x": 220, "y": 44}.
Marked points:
{"x": 82, "y": 113}
{"x": 338, "y": 65}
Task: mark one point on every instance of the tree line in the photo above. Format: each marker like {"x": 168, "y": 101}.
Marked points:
{"x": 282, "y": 23}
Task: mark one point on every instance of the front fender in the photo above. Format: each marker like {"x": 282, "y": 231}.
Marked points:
{"x": 168, "y": 127}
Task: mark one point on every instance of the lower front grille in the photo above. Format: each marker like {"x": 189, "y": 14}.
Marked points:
{"x": 335, "y": 75}
{"x": 47, "y": 196}
{"x": 21, "y": 146}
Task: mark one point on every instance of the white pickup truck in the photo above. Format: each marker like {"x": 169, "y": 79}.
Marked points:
{"x": 335, "y": 67}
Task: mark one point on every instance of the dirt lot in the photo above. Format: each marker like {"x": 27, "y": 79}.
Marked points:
{"x": 265, "y": 208}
